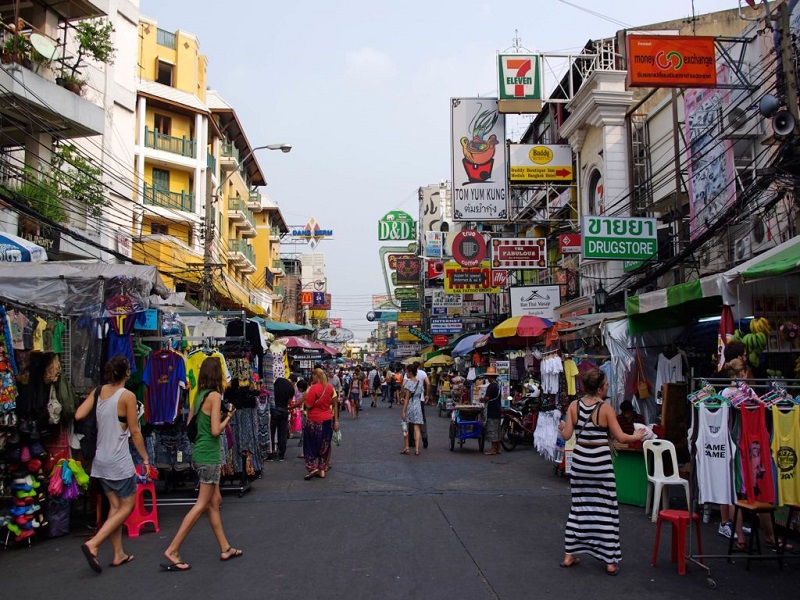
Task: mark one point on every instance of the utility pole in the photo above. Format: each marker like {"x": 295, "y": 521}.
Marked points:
{"x": 787, "y": 61}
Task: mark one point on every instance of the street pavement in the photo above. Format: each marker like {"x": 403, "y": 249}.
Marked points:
{"x": 450, "y": 525}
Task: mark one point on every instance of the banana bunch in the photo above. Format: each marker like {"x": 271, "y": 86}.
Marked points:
{"x": 760, "y": 325}
{"x": 756, "y": 341}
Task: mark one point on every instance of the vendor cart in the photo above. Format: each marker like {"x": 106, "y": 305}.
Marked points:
{"x": 445, "y": 403}
{"x": 467, "y": 423}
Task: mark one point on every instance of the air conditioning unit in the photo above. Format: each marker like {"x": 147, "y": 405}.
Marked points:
{"x": 764, "y": 233}
{"x": 742, "y": 249}
{"x": 711, "y": 260}
{"x": 740, "y": 123}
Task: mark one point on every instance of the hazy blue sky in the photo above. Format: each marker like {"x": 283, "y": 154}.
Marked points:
{"x": 361, "y": 89}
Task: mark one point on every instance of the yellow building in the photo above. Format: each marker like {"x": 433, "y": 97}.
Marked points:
{"x": 196, "y": 180}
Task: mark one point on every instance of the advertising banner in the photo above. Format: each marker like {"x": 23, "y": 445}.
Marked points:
{"x": 468, "y": 280}
{"x": 439, "y": 299}
{"x": 335, "y": 323}
{"x": 397, "y": 225}
{"x": 528, "y": 162}
{"x": 306, "y": 298}
{"x": 619, "y": 238}
{"x": 379, "y": 301}
{"x": 519, "y": 253}
{"x": 469, "y": 248}
{"x": 519, "y": 76}
{"x": 671, "y": 61}
{"x": 478, "y": 160}
{"x": 435, "y": 269}
{"x": 408, "y": 319}
{"x": 433, "y": 244}
{"x": 404, "y": 335}
{"x": 445, "y": 326}
{"x": 406, "y": 268}
{"x": 535, "y": 300}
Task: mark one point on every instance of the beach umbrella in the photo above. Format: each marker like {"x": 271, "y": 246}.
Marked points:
{"x": 441, "y": 360}
{"x": 466, "y": 344}
{"x": 411, "y": 359}
{"x": 524, "y": 326}
{"x": 16, "y": 249}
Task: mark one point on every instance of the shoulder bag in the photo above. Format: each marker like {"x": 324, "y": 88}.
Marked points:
{"x": 191, "y": 427}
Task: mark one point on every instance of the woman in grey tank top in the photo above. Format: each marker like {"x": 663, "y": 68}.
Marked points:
{"x": 117, "y": 423}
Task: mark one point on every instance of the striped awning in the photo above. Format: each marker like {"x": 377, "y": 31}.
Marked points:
{"x": 675, "y": 295}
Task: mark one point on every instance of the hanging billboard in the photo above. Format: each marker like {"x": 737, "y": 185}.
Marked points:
{"x": 535, "y": 300}
{"x": 519, "y": 253}
{"x": 529, "y": 162}
{"x": 671, "y": 61}
{"x": 468, "y": 280}
{"x": 478, "y": 160}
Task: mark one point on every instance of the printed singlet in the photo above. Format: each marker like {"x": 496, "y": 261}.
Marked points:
{"x": 756, "y": 464}
{"x": 785, "y": 446}
{"x": 715, "y": 452}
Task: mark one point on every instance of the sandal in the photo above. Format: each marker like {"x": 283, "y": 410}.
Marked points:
{"x": 404, "y": 451}
{"x": 612, "y": 570}
{"x": 572, "y": 563}
{"x": 784, "y": 545}
{"x": 231, "y": 554}
{"x": 311, "y": 474}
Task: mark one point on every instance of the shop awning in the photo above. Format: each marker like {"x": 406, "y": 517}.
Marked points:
{"x": 784, "y": 260}
{"x": 279, "y": 327}
{"x": 675, "y": 295}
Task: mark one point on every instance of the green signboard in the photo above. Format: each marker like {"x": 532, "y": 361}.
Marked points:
{"x": 423, "y": 336}
{"x": 406, "y": 293}
{"x": 619, "y": 238}
{"x": 397, "y": 225}
{"x": 409, "y": 305}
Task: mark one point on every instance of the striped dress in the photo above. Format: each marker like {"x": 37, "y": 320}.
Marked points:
{"x": 593, "y": 522}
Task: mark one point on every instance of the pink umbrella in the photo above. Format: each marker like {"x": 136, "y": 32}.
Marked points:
{"x": 293, "y": 342}
{"x": 725, "y": 334}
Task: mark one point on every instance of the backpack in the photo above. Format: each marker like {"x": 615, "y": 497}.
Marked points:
{"x": 376, "y": 381}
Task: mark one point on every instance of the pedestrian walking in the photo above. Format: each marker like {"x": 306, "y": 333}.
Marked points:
{"x": 494, "y": 411}
{"x": 374, "y": 381}
{"x": 321, "y": 421}
{"x": 279, "y": 419}
{"x": 211, "y": 422}
{"x": 413, "y": 393}
{"x": 593, "y": 522}
{"x": 117, "y": 423}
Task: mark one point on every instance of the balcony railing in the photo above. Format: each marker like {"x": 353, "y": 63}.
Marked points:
{"x": 237, "y": 205}
{"x": 164, "y": 198}
{"x": 229, "y": 150}
{"x": 277, "y": 265}
{"x": 254, "y": 200}
{"x": 211, "y": 162}
{"x": 275, "y": 232}
{"x": 243, "y": 248}
{"x": 279, "y": 290}
{"x": 168, "y": 143}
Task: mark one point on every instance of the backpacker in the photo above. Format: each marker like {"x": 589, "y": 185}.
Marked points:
{"x": 376, "y": 381}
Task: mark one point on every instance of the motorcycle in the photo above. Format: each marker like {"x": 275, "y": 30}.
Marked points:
{"x": 518, "y": 424}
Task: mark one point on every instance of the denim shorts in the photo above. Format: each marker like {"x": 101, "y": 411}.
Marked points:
{"x": 208, "y": 474}
{"x": 121, "y": 487}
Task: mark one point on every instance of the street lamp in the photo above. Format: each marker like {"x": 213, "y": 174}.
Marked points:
{"x": 209, "y": 220}
{"x": 600, "y": 298}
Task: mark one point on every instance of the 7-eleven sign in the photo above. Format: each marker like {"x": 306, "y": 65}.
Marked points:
{"x": 519, "y": 76}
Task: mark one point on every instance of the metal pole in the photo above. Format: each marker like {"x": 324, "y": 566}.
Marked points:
{"x": 208, "y": 243}
{"x": 787, "y": 60}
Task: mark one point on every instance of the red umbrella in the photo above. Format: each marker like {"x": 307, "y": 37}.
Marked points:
{"x": 725, "y": 334}
{"x": 524, "y": 326}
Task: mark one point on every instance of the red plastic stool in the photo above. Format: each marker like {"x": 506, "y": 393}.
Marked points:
{"x": 141, "y": 515}
{"x": 680, "y": 523}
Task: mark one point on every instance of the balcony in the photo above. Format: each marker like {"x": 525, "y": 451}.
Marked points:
{"x": 275, "y": 234}
{"x": 254, "y": 201}
{"x": 242, "y": 255}
{"x": 211, "y": 163}
{"x": 278, "y": 293}
{"x": 176, "y": 145}
{"x": 240, "y": 215}
{"x": 228, "y": 156}
{"x": 178, "y": 200}
{"x": 278, "y": 267}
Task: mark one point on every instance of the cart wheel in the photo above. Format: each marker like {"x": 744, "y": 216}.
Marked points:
{"x": 452, "y": 436}
{"x": 712, "y": 585}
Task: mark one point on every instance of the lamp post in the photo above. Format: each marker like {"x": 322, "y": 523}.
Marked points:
{"x": 209, "y": 220}
{"x": 600, "y": 298}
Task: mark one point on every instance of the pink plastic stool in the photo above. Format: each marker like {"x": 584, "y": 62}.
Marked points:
{"x": 140, "y": 515}
{"x": 680, "y": 523}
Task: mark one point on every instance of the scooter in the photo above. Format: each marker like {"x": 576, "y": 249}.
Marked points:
{"x": 518, "y": 424}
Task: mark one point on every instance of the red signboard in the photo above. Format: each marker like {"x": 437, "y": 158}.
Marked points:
{"x": 435, "y": 269}
{"x": 335, "y": 323}
{"x": 469, "y": 248}
{"x": 570, "y": 243}
{"x": 499, "y": 278}
{"x": 306, "y": 298}
{"x": 519, "y": 253}
{"x": 440, "y": 340}
{"x": 671, "y": 61}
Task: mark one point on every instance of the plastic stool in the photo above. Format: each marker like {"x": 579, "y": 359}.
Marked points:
{"x": 680, "y": 523}
{"x": 140, "y": 515}
{"x": 750, "y": 512}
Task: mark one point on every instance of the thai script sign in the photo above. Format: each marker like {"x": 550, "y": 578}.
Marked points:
{"x": 671, "y": 61}
{"x": 619, "y": 238}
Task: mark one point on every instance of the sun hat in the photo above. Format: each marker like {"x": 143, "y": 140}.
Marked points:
{"x": 491, "y": 372}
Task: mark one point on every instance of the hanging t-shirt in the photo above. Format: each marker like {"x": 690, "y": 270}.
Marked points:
{"x": 58, "y": 333}
{"x": 571, "y": 372}
{"x": 785, "y": 447}
{"x": 193, "y": 363}
{"x": 18, "y": 322}
{"x": 38, "y": 334}
{"x": 209, "y": 329}
{"x": 669, "y": 370}
{"x": 714, "y": 450}
{"x": 164, "y": 375}
{"x": 756, "y": 463}
{"x": 119, "y": 336}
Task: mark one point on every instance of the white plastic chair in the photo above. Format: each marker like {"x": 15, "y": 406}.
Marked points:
{"x": 657, "y": 481}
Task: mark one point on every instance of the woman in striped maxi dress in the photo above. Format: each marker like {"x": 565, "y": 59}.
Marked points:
{"x": 593, "y": 522}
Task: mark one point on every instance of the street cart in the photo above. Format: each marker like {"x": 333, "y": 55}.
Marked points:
{"x": 446, "y": 402}
{"x": 467, "y": 423}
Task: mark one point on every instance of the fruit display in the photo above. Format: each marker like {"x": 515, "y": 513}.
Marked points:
{"x": 756, "y": 341}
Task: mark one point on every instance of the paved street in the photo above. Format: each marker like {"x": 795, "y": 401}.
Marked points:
{"x": 457, "y": 525}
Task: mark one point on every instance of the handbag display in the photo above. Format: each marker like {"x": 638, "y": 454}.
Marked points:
{"x": 643, "y": 388}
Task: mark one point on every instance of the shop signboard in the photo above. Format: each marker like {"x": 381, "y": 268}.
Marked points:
{"x": 671, "y": 61}
{"x": 499, "y": 278}
{"x": 478, "y": 160}
{"x": 469, "y": 248}
{"x": 407, "y": 319}
{"x": 404, "y": 335}
{"x": 529, "y": 162}
{"x": 397, "y": 225}
{"x": 619, "y": 238}
{"x": 631, "y": 265}
{"x": 439, "y": 311}
{"x": 440, "y": 299}
{"x": 380, "y": 301}
{"x": 382, "y": 316}
{"x": 409, "y": 305}
{"x": 406, "y": 349}
{"x": 462, "y": 280}
{"x": 441, "y": 340}
{"x": 415, "y": 331}
{"x": 335, "y": 323}
{"x": 433, "y": 244}
{"x": 518, "y": 76}
{"x": 569, "y": 243}
{"x": 519, "y": 253}
{"x": 306, "y": 298}
{"x": 535, "y": 300}
{"x": 406, "y": 293}
{"x": 435, "y": 270}
{"x": 445, "y": 326}
{"x": 406, "y": 268}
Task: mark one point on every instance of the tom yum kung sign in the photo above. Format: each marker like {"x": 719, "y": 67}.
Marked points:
{"x": 619, "y": 238}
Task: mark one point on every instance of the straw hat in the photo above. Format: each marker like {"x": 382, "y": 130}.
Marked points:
{"x": 491, "y": 372}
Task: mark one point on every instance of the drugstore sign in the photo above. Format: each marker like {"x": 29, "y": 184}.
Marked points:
{"x": 619, "y": 238}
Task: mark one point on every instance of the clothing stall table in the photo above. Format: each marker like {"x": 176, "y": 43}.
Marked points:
{"x": 631, "y": 475}
{"x": 467, "y": 423}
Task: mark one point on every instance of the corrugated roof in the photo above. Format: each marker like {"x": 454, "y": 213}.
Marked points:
{"x": 170, "y": 94}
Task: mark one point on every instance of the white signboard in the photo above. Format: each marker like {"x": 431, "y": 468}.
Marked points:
{"x": 539, "y": 162}
{"x": 535, "y": 300}
{"x": 477, "y": 137}
{"x": 441, "y": 300}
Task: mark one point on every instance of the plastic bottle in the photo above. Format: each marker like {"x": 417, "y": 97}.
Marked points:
{"x": 558, "y": 454}
{"x": 405, "y": 428}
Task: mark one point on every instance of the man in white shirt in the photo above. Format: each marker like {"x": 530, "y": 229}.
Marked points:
{"x": 423, "y": 377}
{"x": 374, "y": 382}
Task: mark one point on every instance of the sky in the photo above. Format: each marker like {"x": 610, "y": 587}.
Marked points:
{"x": 361, "y": 90}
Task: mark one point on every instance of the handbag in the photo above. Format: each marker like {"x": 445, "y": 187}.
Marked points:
{"x": 643, "y": 389}
{"x": 191, "y": 426}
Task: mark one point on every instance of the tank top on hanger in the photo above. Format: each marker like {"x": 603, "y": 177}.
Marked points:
{"x": 715, "y": 451}
{"x": 759, "y": 485}
{"x": 785, "y": 447}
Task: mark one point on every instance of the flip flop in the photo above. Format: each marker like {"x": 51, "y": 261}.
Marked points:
{"x": 311, "y": 474}
{"x": 613, "y": 573}
{"x": 566, "y": 565}
{"x": 176, "y": 566}
{"x": 232, "y": 553}
{"x": 91, "y": 559}
{"x": 124, "y": 561}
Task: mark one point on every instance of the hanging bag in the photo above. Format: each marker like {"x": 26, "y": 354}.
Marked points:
{"x": 88, "y": 428}
{"x": 643, "y": 389}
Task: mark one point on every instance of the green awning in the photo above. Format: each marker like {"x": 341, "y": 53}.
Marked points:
{"x": 780, "y": 263}
{"x": 675, "y": 295}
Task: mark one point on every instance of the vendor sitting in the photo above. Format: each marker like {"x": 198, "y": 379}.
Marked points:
{"x": 627, "y": 417}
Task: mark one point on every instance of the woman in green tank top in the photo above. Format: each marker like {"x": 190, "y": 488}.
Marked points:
{"x": 207, "y": 410}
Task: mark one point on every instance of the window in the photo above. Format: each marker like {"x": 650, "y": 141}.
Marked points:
{"x": 159, "y": 229}
{"x": 162, "y": 124}
{"x": 596, "y": 200}
{"x": 161, "y": 180}
{"x": 164, "y": 72}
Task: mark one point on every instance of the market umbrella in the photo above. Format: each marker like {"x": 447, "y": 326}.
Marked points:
{"x": 16, "y": 249}
{"x": 334, "y": 352}
{"x": 725, "y": 333}
{"x": 411, "y": 359}
{"x": 293, "y": 341}
{"x": 524, "y": 326}
{"x": 466, "y": 344}
{"x": 441, "y": 360}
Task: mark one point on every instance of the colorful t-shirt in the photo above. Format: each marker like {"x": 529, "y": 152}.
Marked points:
{"x": 18, "y": 322}
{"x": 164, "y": 375}
{"x": 38, "y": 335}
{"x": 193, "y": 363}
